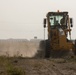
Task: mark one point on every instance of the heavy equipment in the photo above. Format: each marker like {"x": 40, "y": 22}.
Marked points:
{"x": 58, "y": 44}
{"x": 59, "y": 40}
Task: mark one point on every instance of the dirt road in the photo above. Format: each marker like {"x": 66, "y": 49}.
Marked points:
{"x": 37, "y": 66}
{"x": 49, "y": 67}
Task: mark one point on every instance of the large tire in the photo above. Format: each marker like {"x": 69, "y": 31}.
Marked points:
{"x": 75, "y": 48}
{"x": 47, "y": 49}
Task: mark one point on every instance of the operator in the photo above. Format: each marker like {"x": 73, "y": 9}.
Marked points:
{"x": 57, "y": 23}
{"x": 62, "y": 21}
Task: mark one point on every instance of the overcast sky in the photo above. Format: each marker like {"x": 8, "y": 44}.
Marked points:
{"x": 24, "y": 18}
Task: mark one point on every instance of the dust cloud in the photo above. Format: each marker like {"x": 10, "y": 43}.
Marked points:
{"x": 19, "y": 47}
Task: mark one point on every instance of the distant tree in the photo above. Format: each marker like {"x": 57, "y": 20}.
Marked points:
{"x": 35, "y": 37}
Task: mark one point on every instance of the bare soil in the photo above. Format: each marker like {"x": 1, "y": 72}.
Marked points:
{"x": 52, "y": 66}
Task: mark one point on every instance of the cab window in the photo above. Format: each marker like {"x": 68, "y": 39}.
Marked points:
{"x": 55, "y": 20}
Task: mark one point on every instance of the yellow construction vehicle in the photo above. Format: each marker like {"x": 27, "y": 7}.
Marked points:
{"x": 58, "y": 44}
{"x": 59, "y": 28}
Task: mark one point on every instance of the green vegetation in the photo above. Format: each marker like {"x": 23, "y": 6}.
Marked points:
{"x": 10, "y": 67}
{"x": 11, "y": 70}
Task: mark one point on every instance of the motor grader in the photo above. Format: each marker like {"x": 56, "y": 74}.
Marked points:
{"x": 59, "y": 41}
{"x": 58, "y": 44}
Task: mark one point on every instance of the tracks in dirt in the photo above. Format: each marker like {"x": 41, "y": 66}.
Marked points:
{"x": 52, "y": 69}
{"x": 42, "y": 67}
{"x": 47, "y": 67}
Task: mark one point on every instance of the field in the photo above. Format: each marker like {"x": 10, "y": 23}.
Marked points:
{"x": 14, "y": 59}
{"x": 23, "y": 66}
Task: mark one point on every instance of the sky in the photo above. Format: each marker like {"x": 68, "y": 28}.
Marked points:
{"x": 23, "y": 19}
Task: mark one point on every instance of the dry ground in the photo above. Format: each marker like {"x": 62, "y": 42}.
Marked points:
{"x": 52, "y": 66}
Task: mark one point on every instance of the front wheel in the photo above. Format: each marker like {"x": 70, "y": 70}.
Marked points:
{"x": 75, "y": 48}
{"x": 47, "y": 49}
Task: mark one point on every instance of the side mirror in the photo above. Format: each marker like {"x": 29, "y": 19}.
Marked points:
{"x": 71, "y": 22}
{"x": 44, "y": 22}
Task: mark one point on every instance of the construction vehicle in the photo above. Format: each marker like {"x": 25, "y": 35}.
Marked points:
{"x": 59, "y": 29}
{"x": 58, "y": 44}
